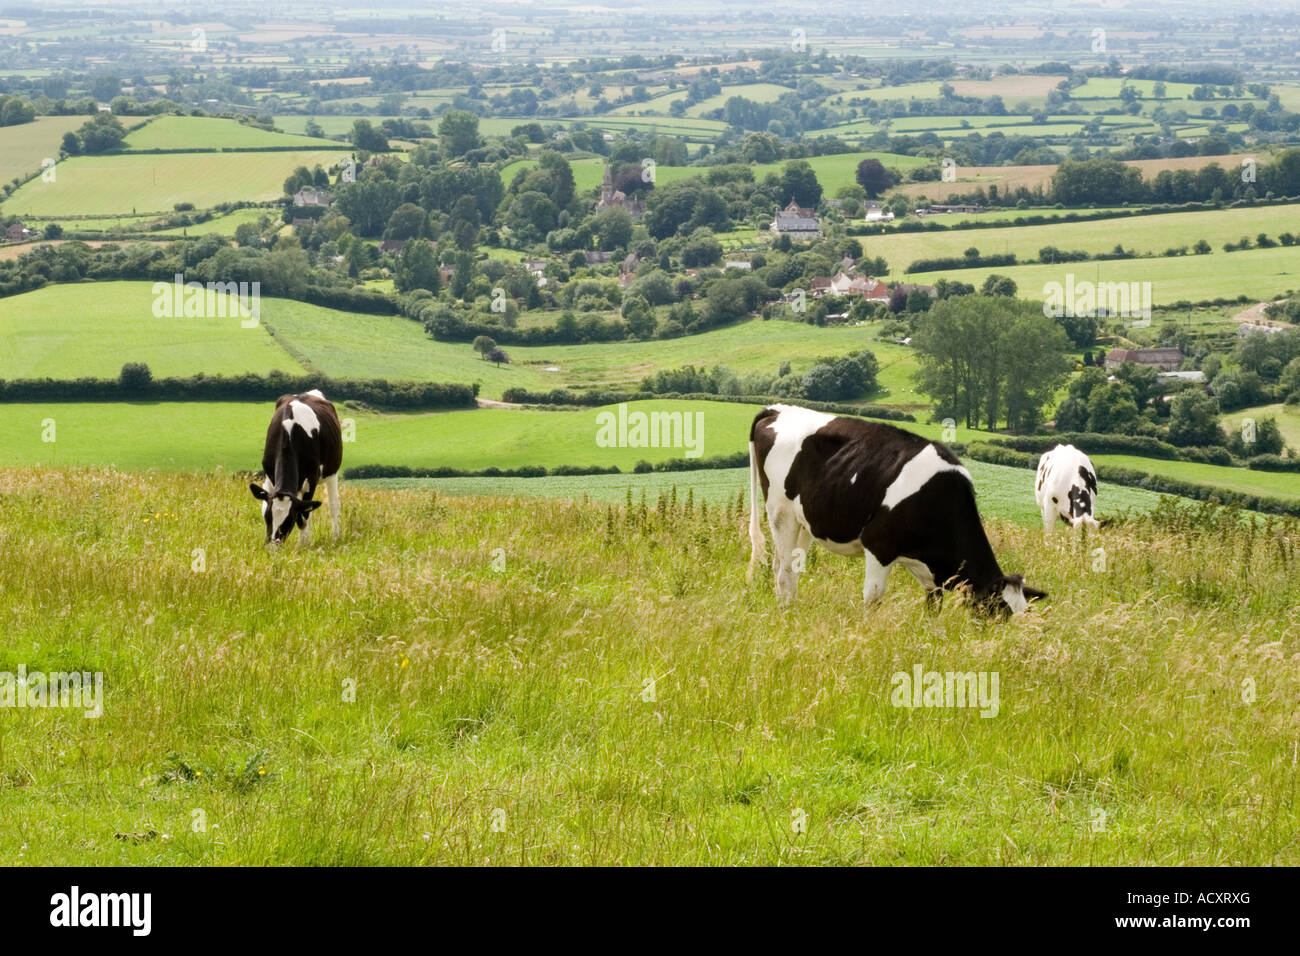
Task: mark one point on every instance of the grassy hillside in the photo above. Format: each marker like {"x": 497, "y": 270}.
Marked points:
{"x": 411, "y": 694}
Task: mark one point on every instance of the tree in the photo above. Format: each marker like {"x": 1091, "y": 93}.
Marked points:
{"x": 799, "y": 184}
{"x": 365, "y": 136}
{"x": 1194, "y": 419}
{"x": 417, "y": 268}
{"x": 873, "y": 177}
{"x": 135, "y": 378}
{"x": 408, "y": 221}
{"x": 984, "y": 358}
{"x": 458, "y": 133}
{"x": 484, "y": 344}
{"x": 498, "y": 355}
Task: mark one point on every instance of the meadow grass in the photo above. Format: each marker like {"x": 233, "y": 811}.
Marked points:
{"x": 1003, "y": 491}
{"x": 23, "y": 147}
{"x": 494, "y": 680}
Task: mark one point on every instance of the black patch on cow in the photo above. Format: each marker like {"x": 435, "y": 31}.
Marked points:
{"x": 1089, "y": 479}
{"x": 1080, "y": 501}
{"x": 939, "y": 525}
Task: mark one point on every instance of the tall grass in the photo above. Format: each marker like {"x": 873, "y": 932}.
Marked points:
{"x": 581, "y": 682}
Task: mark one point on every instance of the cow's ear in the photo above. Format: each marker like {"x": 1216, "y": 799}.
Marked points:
{"x": 308, "y": 506}
{"x": 258, "y": 491}
{"x": 1032, "y": 594}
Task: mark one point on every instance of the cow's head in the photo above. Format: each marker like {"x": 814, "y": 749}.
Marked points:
{"x": 281, "y": 511}
{"x": 1009, "y": 594}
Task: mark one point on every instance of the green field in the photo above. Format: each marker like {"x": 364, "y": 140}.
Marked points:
{"x": 345, "y": 344}
{"x": 228, "y": 436}
{"x": 1260, "y": 273}
{"x": 139, "y": 183}
{"x": 210, "y": 132}
{"x": 487, "y": 680}
{"x": 92, "y": 329}
{"x": 1141, "y": 234}
{"x": 23, "y": 147}
{"x": 1005, "y": 493}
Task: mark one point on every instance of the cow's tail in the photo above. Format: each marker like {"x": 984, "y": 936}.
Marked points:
{"x": 757, "y": 543}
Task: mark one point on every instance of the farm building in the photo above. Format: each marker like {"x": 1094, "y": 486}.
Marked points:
{"x": 17, "y": 232}
{"x": 797, "y": 222}
{"x": 311, "y": 197}
{"x": 875, "y": 212}
{"x": 1165, "y": 359}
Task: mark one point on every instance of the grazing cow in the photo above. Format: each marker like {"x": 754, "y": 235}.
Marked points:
{"x": 860, "y": 488}
{"x": 1066, "y": 487}
{"x": 304, "y": 445}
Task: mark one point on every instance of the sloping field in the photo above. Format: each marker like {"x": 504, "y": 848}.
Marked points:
{"x": 92, "y": 329}
{"x": 139, "y": 183}
{"x": 210, "y": 132}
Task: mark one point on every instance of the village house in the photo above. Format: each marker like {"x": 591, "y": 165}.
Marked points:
{"x": 1164, "y": 359}
{"x": 797, "y": 222}
{"x": 392, "y": 245}
{"x": 17, "y": 232}
{"x": 311, "y": 197}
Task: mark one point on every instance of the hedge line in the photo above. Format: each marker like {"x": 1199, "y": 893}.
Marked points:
{"x": 250, "y": 387}
{"x": 1104, "y": 443}
{"x": 594, "y": 397}
{"x": 948, "y": 263}
{"x": 1273, "y": 463}
{"x": 1131, "y": 477}
{"x": 739, "y": 460}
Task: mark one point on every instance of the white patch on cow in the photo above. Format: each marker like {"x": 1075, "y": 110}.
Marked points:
{"x": 853, "y": 479}
{"x": 923, "y": 466}
{"x": 302, "y": 415}
{"x": 791, "y": 426}
{"x": 316, "y": 392}
{"x": 280, "y": 507}
{"x": 920, "y": 570}
{"x": 1015, "y": 598}
{"x": 875, "y": 578}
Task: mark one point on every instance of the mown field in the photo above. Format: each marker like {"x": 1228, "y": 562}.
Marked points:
{"x": 45, "y": 334}
{"x": 1260, "y": 273}
{"x": 1142, "y": 234}
{"x": 210, "y": 132}
{"x": 487, "y": 680}
{"x": 155, "y": 182}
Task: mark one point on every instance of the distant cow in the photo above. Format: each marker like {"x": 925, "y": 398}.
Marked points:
{"x": 1066, "y": 488}
{"x": 861, "y": 488}
{"x": 304, "y": 445}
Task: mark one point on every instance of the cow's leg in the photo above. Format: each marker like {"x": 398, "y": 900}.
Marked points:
{"x": 877, "y": 575}
{"x": 785, "y": 534}
{"x": 1049, "y": 517}
{"x": 332, "y": 493}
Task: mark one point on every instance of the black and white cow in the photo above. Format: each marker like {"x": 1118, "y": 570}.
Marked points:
{"x": 1066, "y": 488}
{"x": 860, "y": 488}
{"x": 304, "y": 445}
